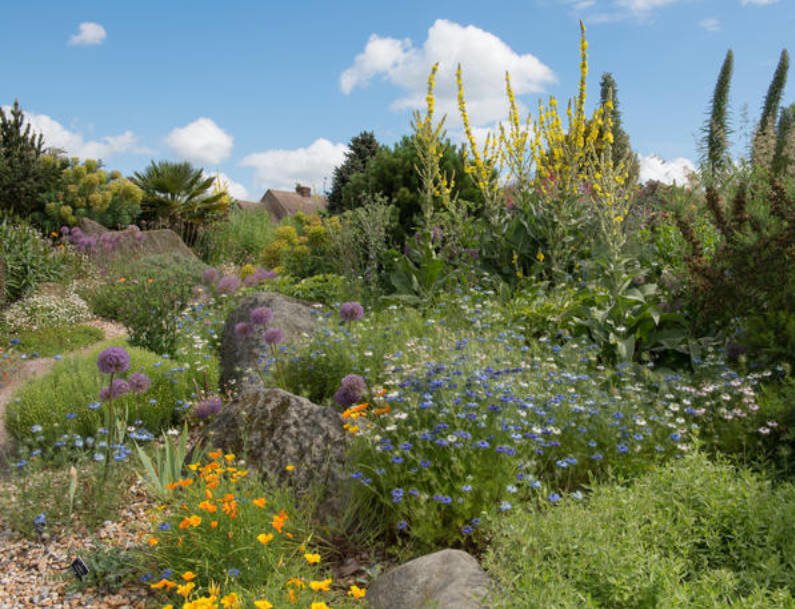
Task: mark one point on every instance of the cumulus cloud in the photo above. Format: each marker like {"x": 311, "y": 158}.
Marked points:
{"x": 711, "y": 24}
{"x": 88, "y": 34}
{"x": 201, "y": 141}
{"x": 652, "y": 167}
{"x": 284, "y": 168}
{"x": 484, "y": 59}
{"x": 74, "y": 144}
{"x": 236, "y": 189}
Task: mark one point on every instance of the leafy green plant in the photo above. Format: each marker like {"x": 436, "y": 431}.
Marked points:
{"x": 167, "y": 463}
{"x": 55, "y": 340}
{"x": 692, "y": 533}
{"x": 238, "y": 238}
{"x": 28, "y": 259}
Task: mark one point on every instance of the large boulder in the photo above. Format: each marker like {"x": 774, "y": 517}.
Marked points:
{"x": 449, "y": 579}
{"x": 110, "y": 246}
{"x": 276, "y": 429}
{"x": 240, "y": 355}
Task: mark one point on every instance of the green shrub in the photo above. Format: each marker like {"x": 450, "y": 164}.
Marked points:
{"x": 43, "y": 309}
{"x": 148, "y": 297}
{"x": 239, "y": 238}
{"x": 328, "y": 288}
{"x": 29, "y": 259}
{"x": 691, "y": 534}
{"x": 59, "y": 401}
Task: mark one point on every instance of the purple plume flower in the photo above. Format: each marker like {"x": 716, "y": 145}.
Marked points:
{"x": 208, "y": 407}
{"x": 139, "y": 382}
{"x": 210, "y": 276}
{"x": 113, "y": 360}
{"x": 243, "y": 329}
{"x": 351, "y": 311}
{"x": 273, "y": 336}
{"x": 117, "y": 389}
{"x": 228, "y": 284}
{"x": 261, "y": 316}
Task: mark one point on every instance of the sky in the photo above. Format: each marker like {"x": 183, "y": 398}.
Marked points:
{"x": 267, "y": 94}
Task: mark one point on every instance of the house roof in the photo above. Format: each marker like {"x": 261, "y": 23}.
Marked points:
{"x": 292, "y": 202}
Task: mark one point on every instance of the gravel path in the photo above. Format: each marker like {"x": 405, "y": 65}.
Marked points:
{"x": 40, "y": 365}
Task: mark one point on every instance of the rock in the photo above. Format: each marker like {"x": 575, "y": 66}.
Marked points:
{"x": 130, "y": 244}
{"x": 449, "y": 579}
{"x": 276, "y": 429}
{"x": 240, "y": 354}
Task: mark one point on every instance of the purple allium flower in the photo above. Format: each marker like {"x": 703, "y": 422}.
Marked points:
{"x": 113, "y": 360}
{"x": 243, "y": 329}
{"x": 228, "y": 284}
{"x": 117, "y": 389}
{"x": 352, "y": 388}
{"x": 351, "y": 311}
{"x": 64, "y": 230}
{"x": 139, "y": 382}
{"x": 273, "y": 336}
{"x": 208, "y": 407}
{"x": 210, "y": 276}
{"x": 261, "y": 316}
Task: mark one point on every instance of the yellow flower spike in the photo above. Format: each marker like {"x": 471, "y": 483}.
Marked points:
{"x": 265, "y": 538}
{"x": 357, "y": 592}
{"x": 320, "y": 586}
{"x": 214, "y": 589}
{"x": 263, "y": 604}
{"x": 312, "y": 559}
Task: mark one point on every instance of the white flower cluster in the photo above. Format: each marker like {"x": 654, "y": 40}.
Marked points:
{"x": 46, "y": 310}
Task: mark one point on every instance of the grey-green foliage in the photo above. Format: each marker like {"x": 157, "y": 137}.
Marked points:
{"x": 716, "y": 140}
{"x": 239, "y": 238}
{"x": 692, "y": 534}
{"x": 784, "y": 157}
{"x": 764, "y": 144}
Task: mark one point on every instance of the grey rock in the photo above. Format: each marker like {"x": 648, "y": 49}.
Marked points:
{"x": 240, "y": 355}
{"x": 274, "y": 429}
{"x": 449, "y": 579}
{"x": 132, "y": 247}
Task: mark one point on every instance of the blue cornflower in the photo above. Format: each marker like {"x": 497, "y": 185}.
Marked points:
{"x": 402, "y": 525}
{"x": 20, "y": 464}
{"x": 466, "y": 488}
{"x": 445, "y": 499}
{"x": 164, "y": 526}
{"x": 71, "y": 415}
{"x": 467, "y": 530}
{"x": 94, "y": 406}
{"x": 36, "y": 429}
{"x": 676, "y": 437}
{"x": 233, "y": 572}
{"x": 397, "y": 459}
{"x": 554, "y": 498}
{"x": 40, "y": 520}
{"x": 425, "y": 463}
{"x": 597, "y": 456}
{"x": 504, "y": 506}
{"x": 535, "y": 484}
{"x": 405, "y": 446}
{"x": 397, "y": 495}
{"x": 622, "y": 448}
{"x": 482, "y": 444}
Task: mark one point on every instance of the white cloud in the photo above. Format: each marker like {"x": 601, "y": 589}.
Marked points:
{"x": 284, "y": 168}
{"x": 758, "y": 2}
{"x": 640, "y": 7}
{"x": 676, "y": 170}
{"x": 484, "y": 59}
{"x": 89, "y": 33}
{"x": 711, "y": 24}
{"x": 201, "y": 141}
{"x": 74, "y": 143}
{"x": 236, "y": 189}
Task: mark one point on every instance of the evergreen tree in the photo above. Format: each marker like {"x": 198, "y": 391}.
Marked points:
{"x": 716, "y": 141}
{"x": 763, "y": 150}
{"x": 26, "y": 171}
{"x": 361, "y": 149}
{"x": 622, "y": 149}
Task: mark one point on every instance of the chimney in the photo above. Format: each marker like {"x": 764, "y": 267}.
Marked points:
{"x": 304, "y": 191}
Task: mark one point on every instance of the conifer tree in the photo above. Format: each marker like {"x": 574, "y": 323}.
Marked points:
{"x": 622, "y": 149}
{"x": 361, "y": 149}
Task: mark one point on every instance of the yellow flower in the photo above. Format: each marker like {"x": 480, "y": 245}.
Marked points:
{"x": 296, "y": 582}
{"x": 540, "y": 256}
{"x": 290, "y": 468}
{"x": 357, "y": 592}
{"x": 189, "y": 576}
{"x": 231, "y": 601}
{"x": 152, "y": 541}
{"x": 184, "y": 589}
{"x": 208, "y": 506}
{"x": 259, "y": 502}
{"x": 279, "y": 520}
{"x": 264, "y": 538}
{"x": 163, "y": 583}
{"x": 312, "y": 559}
{"x": 320, "y": 605}
{"x": 262, "y": 604}
{"x": 205, "y": 602}
{"x": 214, "y": 589}
{"x": 320, "y": 585}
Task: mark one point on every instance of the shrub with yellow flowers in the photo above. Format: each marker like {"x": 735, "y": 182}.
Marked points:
{"x": 225, "y": 539}
{"x": 302, "y": 246}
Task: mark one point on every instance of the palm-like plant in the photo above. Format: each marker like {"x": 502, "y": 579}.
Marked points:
{"x": 179, "y": 196}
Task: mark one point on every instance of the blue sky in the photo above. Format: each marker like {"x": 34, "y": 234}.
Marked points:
{"x": 268, "y": 93}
